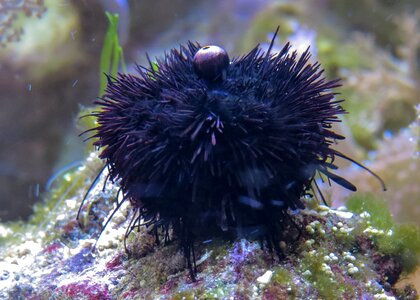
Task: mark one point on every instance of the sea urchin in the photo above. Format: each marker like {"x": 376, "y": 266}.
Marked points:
{"x": 203, "y": 144}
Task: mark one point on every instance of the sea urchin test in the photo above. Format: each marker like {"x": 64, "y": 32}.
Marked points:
{"x": 202, "y": 145}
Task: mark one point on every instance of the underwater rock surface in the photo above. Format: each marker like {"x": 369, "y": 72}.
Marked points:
{"x": 336, "y": 254}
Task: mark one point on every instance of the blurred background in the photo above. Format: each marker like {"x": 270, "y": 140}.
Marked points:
{"x": 49, "y": 69}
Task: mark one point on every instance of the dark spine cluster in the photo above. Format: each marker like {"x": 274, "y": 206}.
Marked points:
{"x": 204, "y": 145}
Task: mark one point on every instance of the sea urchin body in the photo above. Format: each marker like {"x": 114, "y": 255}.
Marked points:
{"x": 204, "y": 145}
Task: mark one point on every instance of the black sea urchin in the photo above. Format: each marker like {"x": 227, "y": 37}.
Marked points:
{"x": 204, "y": 144}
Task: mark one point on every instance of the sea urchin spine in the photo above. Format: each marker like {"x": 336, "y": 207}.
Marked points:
{"x": 205, "y": 145}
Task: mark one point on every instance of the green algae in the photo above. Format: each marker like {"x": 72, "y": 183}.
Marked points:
{"x": 314, "y": 269}
{"x": 282, "y": 276}
{"x": 214, "y": 293}
{"x": 216, "y": 249}
{"x": 397, "y": 114}
{"x": 312, "y": 202}
{"x": 279, "y": 14}
{"x": 335, "y": 54}
{"x": 112, "y": 56}
{"x": 154, "y": 269}
{"x": 12, "y": 232}
{"x": 360, "y": 104}
{"x": 330, "y": 259}
{"x": 85, "y": 120}
{"x": 374, "y": 16}
{"x": 404, "y": 241}
{"x": 380, "y": 216}
{"x": 399, "y": 240}
{"x": 111, "y": 60}
{"x": 218, "y": 292}
{"x": 185, "y": 295}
